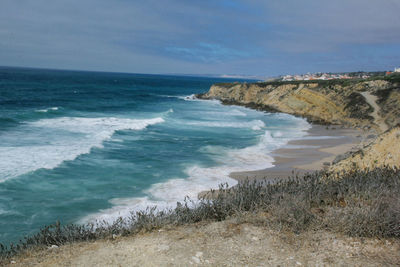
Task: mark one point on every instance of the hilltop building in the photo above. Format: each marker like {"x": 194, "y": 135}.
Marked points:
{"x": 396, "y": 69}
{"x": 318, "y": 76}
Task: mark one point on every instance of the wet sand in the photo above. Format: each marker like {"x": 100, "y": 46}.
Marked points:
{"x": 315, "y": 151}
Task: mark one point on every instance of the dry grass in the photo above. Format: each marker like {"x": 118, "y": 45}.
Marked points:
{"x": 364, "y": 204}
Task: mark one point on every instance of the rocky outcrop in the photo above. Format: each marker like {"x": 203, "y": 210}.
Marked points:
{"x": 384, "y": 151}
{"x": 389, "y": 102}
{"x": 327, "y": 102}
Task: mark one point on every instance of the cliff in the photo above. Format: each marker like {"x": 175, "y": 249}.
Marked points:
{"x": 341, "y": 102}
{"x": 384, "y": 151}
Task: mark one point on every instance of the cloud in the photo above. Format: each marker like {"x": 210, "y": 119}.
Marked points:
{"x": 326, "y": 25}
{"x": 235, "y": 36}
{"x": 209, "y": 53}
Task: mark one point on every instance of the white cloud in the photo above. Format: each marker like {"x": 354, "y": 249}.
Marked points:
{"x": 165, "y": 36}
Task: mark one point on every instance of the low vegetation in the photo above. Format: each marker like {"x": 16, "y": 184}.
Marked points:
{"x": 364, "y": 204}
{"x": 393, "y": 78}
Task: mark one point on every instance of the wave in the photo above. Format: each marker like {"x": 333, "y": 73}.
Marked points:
{"x": 7, "y": 122}
{"x": 183, "y": 97}
{"x": 79, "y": 136}
{"x": 254, "y": 124}
{"x": 188, "y": 97}
{"x": 311, "y": 137}
{"x": 47, "y": 110}
{"x": 230, "y": 113}
{"x": 194, "y": 98}
{"x": 191, "y": 97}
{"x": 165, "y": 195}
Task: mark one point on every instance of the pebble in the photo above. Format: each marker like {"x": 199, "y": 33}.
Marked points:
{"x": 53, "y": 247}
{"x": 114, "y": 236}
{"x": 163, "y": 248}
{"x": 199, "y": 254}
{"x": 196, "y": 260}
{"x": 13, "y": 262}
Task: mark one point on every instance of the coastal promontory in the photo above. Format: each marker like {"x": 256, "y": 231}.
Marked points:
{"x": 340, "y": 102}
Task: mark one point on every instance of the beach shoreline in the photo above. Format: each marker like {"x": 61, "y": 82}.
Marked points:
{"x": 315, "y": 151}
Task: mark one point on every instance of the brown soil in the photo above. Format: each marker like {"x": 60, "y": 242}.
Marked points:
{"x": 378, "y": 120}
{"x": 228, "y": 243}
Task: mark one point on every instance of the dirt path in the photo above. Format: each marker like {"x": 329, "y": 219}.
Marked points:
{"x": 371, "y": 100}
{"x": 228, "y": 243}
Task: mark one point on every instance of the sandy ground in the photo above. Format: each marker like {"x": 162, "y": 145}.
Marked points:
{"x": 382, "y": 152}
{"x": 371, "y": 100}
{"x": 227, "y": 243}
{"x": 311, "y": 153}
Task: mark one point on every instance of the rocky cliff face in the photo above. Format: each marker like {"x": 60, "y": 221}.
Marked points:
{"x": 383, "y": 152}
{"x": 328, "y": 102}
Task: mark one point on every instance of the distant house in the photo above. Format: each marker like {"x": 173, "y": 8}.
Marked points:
{"x": 287, "y": 78}
{"x": 396, "y": 69}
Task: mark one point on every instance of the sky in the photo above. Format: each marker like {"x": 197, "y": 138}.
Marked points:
{"x": 249, "y": 37}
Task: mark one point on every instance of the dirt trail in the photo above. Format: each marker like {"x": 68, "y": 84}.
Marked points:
{"x": 227, "y": 243}
{"x": 378, "y": 120}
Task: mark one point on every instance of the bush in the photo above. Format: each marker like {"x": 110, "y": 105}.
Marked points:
{"x": 358, "y": 204}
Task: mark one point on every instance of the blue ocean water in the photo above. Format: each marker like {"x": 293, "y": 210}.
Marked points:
{"x": 84, "y": 146}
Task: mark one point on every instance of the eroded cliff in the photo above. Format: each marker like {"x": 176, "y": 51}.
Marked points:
{"x": 384, "y": 151}
{"x": 328, "y": 102}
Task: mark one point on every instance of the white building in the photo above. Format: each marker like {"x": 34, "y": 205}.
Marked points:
{"x": 396, "y": 69}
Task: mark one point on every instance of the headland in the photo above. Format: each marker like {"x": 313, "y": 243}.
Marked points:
{"x": 347, "y": 116}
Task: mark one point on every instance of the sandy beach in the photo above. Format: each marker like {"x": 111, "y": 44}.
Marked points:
{"x": 315, "y": 151}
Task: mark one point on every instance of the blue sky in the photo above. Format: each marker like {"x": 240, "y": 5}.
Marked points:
{"x": 250, "y": 37}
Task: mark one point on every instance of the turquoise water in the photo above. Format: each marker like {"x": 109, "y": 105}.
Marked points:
{"x": 83, "y": 146}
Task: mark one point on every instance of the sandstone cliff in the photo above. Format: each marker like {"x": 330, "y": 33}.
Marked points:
{"x": 327, "y": 102}
{"x": 384, "y": 151}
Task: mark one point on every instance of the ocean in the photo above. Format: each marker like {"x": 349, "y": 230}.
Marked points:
{"x": 84, "y": 146}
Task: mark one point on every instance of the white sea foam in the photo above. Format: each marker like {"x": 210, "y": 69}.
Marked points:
{"x": 254, "y": 124}
{"x": 167, "y": 194}
{"x": 80, "y": 135}
{"x": 8, "y": 212}
{"x": 183, "y": 97}
{"x": 46, "y": 110}
{"x": 194, "y": 98}
{"x": 236, "y": 112}
{"x": 229, "y": 113}
{"x": 188, "y": 97}
{"x": 312, "y": 137}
